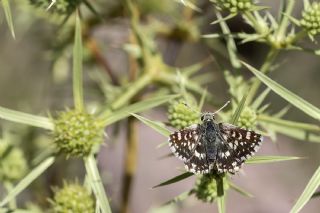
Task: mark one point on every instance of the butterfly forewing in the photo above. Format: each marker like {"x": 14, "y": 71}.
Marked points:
{"x": 241, "y": 143}
{"x": 183, "y": 143}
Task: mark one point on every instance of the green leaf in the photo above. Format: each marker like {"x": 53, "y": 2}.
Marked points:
{"x": 25, "y": 118}
{"x": 240, "y": 190}
{"x": 269, "y": 159}
{"x": 231, "y": 46}
{"x": 294, "y": 133}
{"x": 134, "y": 108}
{"x": 295, "y": 100}
{"x": 77, "y": 65}
{"x": 190, "y": 5}
{"x": 154, "y": 125}
{"x": 96, "y": 184}
{"x": 240, "y": 107}
{"x": 307, "y": 192}
{"x": 25, "y": 182}
{"x": 175, "y": 179}
{"x": 7, "y": 11}
{"x": 230, "y": 16}
{"x": 178, "y": 198}
{"x": 258, "y": 101}
{"x": 202, "y": 100}
{"x": 291, "y": 124}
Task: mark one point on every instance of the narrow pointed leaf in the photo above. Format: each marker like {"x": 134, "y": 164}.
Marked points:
{"x": 190, "y": 5}
{"x": 258, "y": 101}
{"x": 299, "y": 134}
{"x": 294, "y": 99}
{"x": 178, "y": 198}
{"x": 25, "y": 118}
{"x": 240, "y": 190}
{"x": 96, "y": 184}
{"x": 175, "y": 179}
{"x": 26, "y": 181}
{"x": 291, "y": 124}
{"x": 202, "y": 100}
{"x": 7, "y": 11}
{"x": 77, "y": 66}
{"x": 269, "y": 159}
{"x": 240, "y": 107}
{"x": 230, "y": 16}
{"x": 307, "y": 192}
{"x": 141, "y": 106}
{"x": 154, "y": 125}
{"x": 231, "y": 46}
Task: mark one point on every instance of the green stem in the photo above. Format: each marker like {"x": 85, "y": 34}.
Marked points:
{"x": 130, "y": 163}
{"x": 96, "y": 183}
{"x": 273, "y": 53}
{"x": 130, "y": 92}
{"x": 220, "y": 188}
{"x": 260, "y": 28}
{"x": 281, "y": 32}
{"x": 8, "y": 186}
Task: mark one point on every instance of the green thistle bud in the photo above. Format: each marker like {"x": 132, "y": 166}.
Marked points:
{"x": 247, "y": 118}
{"x": 60, "y": 6}
{"x": 13, "y": 165}
{"x": 180, "y": 115}
{"x": 311, "y": 19}
{"x": 206, "y": 188}
{"x": 76, "y": 133}
{"x": 235, "y": 6}
{"x": 72, "y": 198}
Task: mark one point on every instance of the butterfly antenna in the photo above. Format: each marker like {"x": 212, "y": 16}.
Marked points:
{"x": 221, "y": 108}
{"x": 191, "y": 108}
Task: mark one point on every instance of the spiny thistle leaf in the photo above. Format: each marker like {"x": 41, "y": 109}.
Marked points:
{"x": 270, "y": 159}
{"x": 154, "y": 125}
{"x": 308, "y": 192}
{"x": 135, "y": 108}
{"x": 25, "y": 182}
{"x": 7, "y": 11}
{"x": 175, "y": 179}
{"x": 294, "y": 99}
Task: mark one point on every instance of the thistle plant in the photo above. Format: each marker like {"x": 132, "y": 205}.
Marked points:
{"x": 72, "y": 197}
{"x": 113, "y": 94}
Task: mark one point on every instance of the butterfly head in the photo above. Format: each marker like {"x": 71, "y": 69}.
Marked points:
{"x": 207, "y": 117}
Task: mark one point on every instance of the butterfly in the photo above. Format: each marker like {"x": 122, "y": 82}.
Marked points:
{"x": 211, "y": 147}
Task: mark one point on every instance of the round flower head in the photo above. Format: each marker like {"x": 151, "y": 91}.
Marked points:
{"x": 76, "y": 133}
{"x": 72, "y": 198}
{"x": 235, "y": 6}
{"x": 206, "y": 188}
{"x": 180, "y": 115}
{"x": 311, "y": 19}
{"x": 13, "y": 165}
{"x": 247, "y": 118}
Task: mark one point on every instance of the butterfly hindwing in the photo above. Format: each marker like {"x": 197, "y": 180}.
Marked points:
{"x": 239, "y": 145}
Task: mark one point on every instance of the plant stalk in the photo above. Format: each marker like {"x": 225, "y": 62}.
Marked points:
{"x": 265, "y": 68}
{"x": 130, "y": 163}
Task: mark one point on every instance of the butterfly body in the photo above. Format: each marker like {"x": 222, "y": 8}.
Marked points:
{"x": 214, "y": 147}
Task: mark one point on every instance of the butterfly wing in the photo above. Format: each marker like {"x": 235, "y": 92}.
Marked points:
{"x": 238, "y": 145}
{"x": 198, "y": 163}
{"x": 186, "y": 145}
